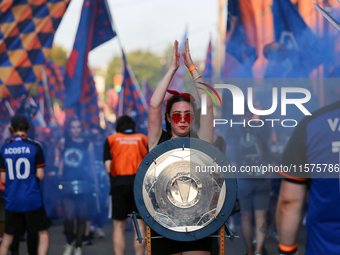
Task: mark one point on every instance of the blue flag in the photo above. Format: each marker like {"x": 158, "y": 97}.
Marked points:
{"x": 241, "y": 40}
{"x": 208, "y": 70}
{"x": 94, "y": 29}
{"x": 87, "y": 109}
{"x": 131, "y": 99}
{"x": 304, "y": 48}
{"x": 147, "y": 91}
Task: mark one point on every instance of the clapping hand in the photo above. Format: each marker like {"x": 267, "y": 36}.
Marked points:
{"x": 175, "y": 57}
{"x": 186, "y": 55}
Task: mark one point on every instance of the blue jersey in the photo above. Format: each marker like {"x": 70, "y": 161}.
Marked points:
{"x": 315, "y": 146}
{"x": 19, "y": 159}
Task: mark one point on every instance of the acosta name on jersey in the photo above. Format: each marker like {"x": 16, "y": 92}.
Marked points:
{"x": 17, "y": 150}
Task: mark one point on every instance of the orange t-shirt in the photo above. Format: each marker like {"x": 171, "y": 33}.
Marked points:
{"x": 127, "y": 152}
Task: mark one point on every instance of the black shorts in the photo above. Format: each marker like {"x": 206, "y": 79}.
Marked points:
{"x": 164, "y": 246}
{"x": 123, "y": 202}
{"x": 18, "y": 222}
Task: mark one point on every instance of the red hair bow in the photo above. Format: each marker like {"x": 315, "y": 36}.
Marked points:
{"x": 174, "y": 92}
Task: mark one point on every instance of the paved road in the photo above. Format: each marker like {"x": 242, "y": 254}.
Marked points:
{"x": 104, "y": 246}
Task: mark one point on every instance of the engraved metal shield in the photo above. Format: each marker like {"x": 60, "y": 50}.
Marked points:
{"x": 183, "y": 189}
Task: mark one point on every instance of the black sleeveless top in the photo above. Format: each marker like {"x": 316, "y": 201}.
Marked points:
{"x": 165, "y": 136}
{"x": 76, "y": 160}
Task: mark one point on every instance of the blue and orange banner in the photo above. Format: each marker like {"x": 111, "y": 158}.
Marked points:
{"x": 208, "y": 68}
{"x": 55, "y": 75}
{"x": 27, "y": 29}
{"x": 95, "y": 28}
{"x": 87, "y": 109}
{"x": 131, "y": 98}
{"x": 305, "y": 51}
{"x": 147, "y": 91}
{"x": 50, "y": 86}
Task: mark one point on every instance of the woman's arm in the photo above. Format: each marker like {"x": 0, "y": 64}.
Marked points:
{"x": 93, "y": 166}
{"x": 58, "y": 156}
{"x": 206, "y": 131}
{"x": 155, "y": 111}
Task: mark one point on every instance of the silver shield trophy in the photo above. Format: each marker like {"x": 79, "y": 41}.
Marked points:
{"x": 184, "y": 189}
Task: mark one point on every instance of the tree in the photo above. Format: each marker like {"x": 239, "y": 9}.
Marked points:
{"x": 58, "y": 55}
{"x": 144, "y": 64}
{"x": 113, "y": 68}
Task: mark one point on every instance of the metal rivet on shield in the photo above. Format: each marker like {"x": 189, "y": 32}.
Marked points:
{"x": 146, "y": 163}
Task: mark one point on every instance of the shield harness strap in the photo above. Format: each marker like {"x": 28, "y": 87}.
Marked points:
{"x": 148, "y": 240}
{"x": 222, "y": 240}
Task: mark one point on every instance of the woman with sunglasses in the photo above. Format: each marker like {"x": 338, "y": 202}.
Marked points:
{"x": 179, "y": 118}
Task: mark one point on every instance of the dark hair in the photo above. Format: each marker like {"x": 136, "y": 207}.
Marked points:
{"x": 170, "y": 102}
{"x": 125, "y": 122}
{"x": 19, "y": 122}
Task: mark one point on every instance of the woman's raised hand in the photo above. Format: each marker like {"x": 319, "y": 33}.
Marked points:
{"x": 175, "y": 57}
{"x": 186, "y": 55}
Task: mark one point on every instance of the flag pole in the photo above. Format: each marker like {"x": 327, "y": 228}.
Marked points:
{"x": 121, "y": 98}
{"x": 39, "y": 115}
{"x": 222, "y": 27}
{"x": 47, "y": 94}
{"x": 121, "y": 93}
{"x": 9, "y": 108}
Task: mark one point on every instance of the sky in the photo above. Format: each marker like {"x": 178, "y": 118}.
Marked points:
{"x": 147, "y": 25}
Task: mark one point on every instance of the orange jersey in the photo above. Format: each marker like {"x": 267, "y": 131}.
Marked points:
{"x": 127, "y": 152}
